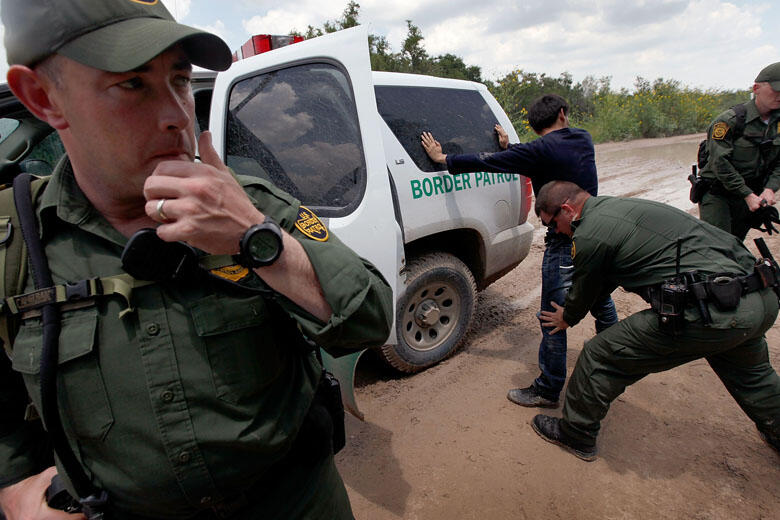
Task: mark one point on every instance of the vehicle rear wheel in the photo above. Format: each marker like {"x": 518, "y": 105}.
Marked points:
{"x": 434, "y": 314}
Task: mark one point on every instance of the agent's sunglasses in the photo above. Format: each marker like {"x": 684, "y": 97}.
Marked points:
{"x": 551, "y": 224}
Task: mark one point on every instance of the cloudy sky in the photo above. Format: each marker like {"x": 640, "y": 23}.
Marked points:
{"x": 714, "y": 44}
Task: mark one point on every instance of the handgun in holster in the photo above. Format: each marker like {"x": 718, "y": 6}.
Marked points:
{"x": 699, "y": 185}
{"x": 767, "y": 267}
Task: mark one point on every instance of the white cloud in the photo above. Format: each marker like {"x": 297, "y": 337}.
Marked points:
{"x": 178, "y": 8}
{"x": 218, "y": 28}
{"x": 297, "y": 16}
{"x": 689, "y": 40}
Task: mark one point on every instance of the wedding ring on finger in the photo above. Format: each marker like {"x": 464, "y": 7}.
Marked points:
{"x": 160, "y": 211}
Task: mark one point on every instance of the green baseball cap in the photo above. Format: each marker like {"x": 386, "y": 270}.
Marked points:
{"x": 110, "y": 35}
{"x": 770, "y": 74}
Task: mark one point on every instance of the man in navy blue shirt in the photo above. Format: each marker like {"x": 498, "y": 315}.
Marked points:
{"x": 560, "y": 154}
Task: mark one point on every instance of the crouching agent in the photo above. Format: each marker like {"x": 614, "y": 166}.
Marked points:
{"x": 709, "y": 299}
{"x": 200, "y": 400}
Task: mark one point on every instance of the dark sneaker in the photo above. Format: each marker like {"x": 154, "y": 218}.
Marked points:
{"x": 549, "y": 429}
{"x": 530, "y": 397}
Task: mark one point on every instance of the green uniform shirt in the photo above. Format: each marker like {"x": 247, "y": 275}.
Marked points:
{"x": 632, "y": 243}
{"x": 189, "y": 398}
{"x": 734, "y": 162}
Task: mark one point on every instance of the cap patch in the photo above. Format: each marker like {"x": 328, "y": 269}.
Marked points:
{"x": 232, "y": 273}
{"x": 719, "y": 130}
{"x": 310, "y": 225}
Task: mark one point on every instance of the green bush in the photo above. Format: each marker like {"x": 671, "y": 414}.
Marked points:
{"x": 658, "y": 109}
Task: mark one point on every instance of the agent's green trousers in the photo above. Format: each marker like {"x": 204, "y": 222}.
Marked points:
{"x": 635, "y": 347}
{"x": 729, "y": 214}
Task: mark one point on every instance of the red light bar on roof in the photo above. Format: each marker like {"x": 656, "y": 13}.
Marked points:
{"x": 263, "y": 43}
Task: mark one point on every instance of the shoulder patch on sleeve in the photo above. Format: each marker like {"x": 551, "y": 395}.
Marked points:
{"x": 720, "y": 130}
{"x": 573, "y": 249}
{"x": 310, "y": 225}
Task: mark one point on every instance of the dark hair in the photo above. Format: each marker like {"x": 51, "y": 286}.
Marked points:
{"x": 544, "y": 111}
{"x": 555, "y": 193}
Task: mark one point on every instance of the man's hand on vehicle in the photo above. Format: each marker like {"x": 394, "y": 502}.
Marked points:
{"x": 503, "y": 137}
{"x": 554, "y": 319}
{"x": 433, "y": 148}
{"x": 26, "y": 500}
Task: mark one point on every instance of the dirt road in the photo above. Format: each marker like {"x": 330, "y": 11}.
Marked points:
{"x": 447, "y": 444}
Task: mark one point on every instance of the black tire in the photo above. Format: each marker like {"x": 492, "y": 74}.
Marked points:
{"x": 434, "y": 313}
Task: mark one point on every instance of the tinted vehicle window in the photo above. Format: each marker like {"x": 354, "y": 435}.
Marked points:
{"x": 459, "y": 119}
{"x": 48, "y": 152}
{"x": 298, "y": 128}
{"x": 7, "y": 126}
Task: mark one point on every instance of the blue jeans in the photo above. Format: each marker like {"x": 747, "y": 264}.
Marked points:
{"x": 557, "y": 268}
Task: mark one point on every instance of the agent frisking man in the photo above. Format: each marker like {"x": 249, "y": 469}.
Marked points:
{"x": 190, "y": 397}
{"x": 709, "y": 299}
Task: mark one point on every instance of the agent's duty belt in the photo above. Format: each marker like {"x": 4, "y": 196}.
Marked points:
{"x": 724, "y": 290}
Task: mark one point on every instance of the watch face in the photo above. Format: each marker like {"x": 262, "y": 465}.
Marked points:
{"x": 264, "y": 246}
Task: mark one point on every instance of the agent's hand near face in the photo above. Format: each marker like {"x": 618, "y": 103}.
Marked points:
{"x": 205, "y": 206}
{"x": 203, "y": 203}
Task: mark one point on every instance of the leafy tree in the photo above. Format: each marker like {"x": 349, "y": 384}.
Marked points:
{"x": 412, "y": 58}
{"x": 451, "y": 66}
{"x": 412, "y": 50}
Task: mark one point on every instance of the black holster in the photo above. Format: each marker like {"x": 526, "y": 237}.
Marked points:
{"x": 331, "y": 395}
{"x": 699, "y": 187}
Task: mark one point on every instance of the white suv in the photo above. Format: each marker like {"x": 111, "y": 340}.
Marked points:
{"x": 315, "y": 120}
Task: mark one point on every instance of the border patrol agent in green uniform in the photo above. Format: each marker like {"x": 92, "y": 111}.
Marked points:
{"x": 718, "y": 308}
{"x": 744, "y": 168}
{"x": 199, "y": 400}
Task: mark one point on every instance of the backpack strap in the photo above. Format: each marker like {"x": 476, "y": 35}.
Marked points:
{"x": 739, "y": 125}
{"x": 13, "y": 256}
{"x": 89, "y": 495}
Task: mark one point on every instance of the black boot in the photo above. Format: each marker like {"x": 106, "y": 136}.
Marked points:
{"x": 549, "y": 429}
{"x": 530, "y": 397}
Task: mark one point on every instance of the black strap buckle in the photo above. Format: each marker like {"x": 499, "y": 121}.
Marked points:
{"x": 82, "y": 289}
{"x": 93, "y": 506}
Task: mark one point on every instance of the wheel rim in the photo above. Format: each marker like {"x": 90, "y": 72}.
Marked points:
{"x": 430, "y": 316}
